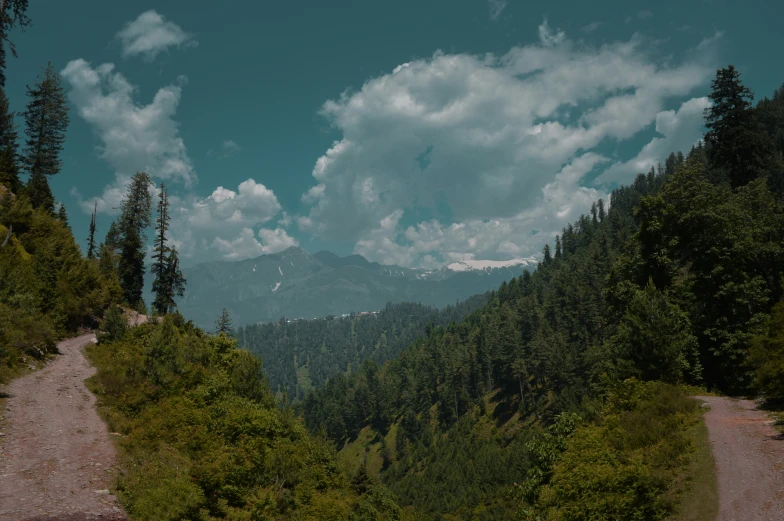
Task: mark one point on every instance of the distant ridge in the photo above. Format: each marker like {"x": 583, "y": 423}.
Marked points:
{"x": 296, "y": 284}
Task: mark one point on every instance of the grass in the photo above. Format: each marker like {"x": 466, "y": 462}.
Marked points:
{"x": 700, "y": 499}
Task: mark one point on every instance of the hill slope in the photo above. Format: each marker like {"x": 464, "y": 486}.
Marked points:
{"x": 561, "y": 384}
{"x": 302, "y": 354}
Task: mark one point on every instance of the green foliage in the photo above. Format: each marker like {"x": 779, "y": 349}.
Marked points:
{"x": 48, "y": 289}
{"x": 654, "y": 341}
{"x": 114, "y": 325}
{"x": 768, "y": 356}
{"x": 204, "y": 439}
{"x": 622, "y": 466}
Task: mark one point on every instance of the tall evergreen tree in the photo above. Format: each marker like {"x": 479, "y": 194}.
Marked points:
{"x": 175, "y": 280}
{"x": 62, "y": 214}
{"x": 546, "y": 254}
{"x": 169, "y": 281}
{"x": 224, "y": 323}
{"x": 46, "y": 120}
{"x": 136, "y": 210}
{"x": 91, "y": 247}
{"x": 9, "y": 170}
{"x": 39, "y": 192}
{"x": 738, "y": 146}
{"x": 13, "y": 13}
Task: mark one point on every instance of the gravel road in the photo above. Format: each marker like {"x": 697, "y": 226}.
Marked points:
{"x": 749, "y": 455}
{"x": 56, "y": 457}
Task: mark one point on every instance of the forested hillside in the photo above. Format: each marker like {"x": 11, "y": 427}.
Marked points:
{"x": 48, "y": 290}
{"x": 675, "y": 283}
{"x": 302, "y": 354}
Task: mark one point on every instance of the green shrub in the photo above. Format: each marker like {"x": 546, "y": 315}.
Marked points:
{"x": 204, "y": 438}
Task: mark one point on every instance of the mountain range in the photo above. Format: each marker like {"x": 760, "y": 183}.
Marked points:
{"x": 296, "y": 284}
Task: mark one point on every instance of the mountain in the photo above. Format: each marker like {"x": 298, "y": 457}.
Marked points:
{"x": 296, "y": 284}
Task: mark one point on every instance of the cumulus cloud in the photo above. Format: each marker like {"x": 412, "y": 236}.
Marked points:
{"x": 246, "y": 245}
{"x": 679, "y": 130}
{"x": 431, "y": 243}
{"x": 223, "y": 224}
{"x": 135, "y": 137}
{"x": 150, "y": 34}
{"x": 510, "y": 141}
{"x": 496, "y": 8}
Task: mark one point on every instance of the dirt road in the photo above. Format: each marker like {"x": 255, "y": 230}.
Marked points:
{"x": 749, "y": 456}
{"x": 56, "y": 456}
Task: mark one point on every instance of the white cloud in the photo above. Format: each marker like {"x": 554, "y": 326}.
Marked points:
{"x": 222, "y": 224}
{"x": 679, "y": 130}
{"x": 644, "y": 14}
{"x": 496, "y": 8}
{"x": 548, "y": 37}
{"x": 431, "y": 243}
{"x": 135, "y": 137}
{"x": 710, "y": 41}
{"x": 150, "y": 34}
{"x": 109, "y": 201}
{"x": 246, "y": 245}
{"x": 591, "y": 27}
{"x": 227, "y": 149}
{"x": 509, "y": 141}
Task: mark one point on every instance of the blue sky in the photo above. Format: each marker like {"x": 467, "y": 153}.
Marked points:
{"x": 414, "y": 133}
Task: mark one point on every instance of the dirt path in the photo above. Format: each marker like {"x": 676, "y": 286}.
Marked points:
{"x": 56, "y": 456}
{"x": 749, "y": 456}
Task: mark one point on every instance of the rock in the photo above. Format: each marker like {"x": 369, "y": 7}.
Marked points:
{"x": 103, "y": 492}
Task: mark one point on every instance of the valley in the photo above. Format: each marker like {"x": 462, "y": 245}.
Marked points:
{"x": 564, "y": 298}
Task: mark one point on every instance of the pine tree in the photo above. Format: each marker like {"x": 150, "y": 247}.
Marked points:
{"x": 134, "y": 220}
{"x": 112, "y": 239}
{"x": 224, "y": 324}
{"x": 546, "y": 255}
{"x": 40, "y": 194}
{"x": 13, "y": 13}
{"x": 169, "y": 281}
{"x": 9, "y": 170}
{"x": 46, "y": 120}
{"x": 91, "y": 238}
{"x": 602, "y": 213}
{"x": 557, "y": 247}
{"x": 174, "y": 277}
{"x": 737, "y": 144}
{"x": 62, "y": 215}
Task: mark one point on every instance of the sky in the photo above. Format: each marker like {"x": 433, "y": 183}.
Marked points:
{"x": 414, "y": 133}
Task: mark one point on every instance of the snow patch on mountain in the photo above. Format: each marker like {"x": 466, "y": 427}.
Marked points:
{"x": 474, "y": 265}
{"x": 281, "y": 271}
{"x": 277, "y": 285}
